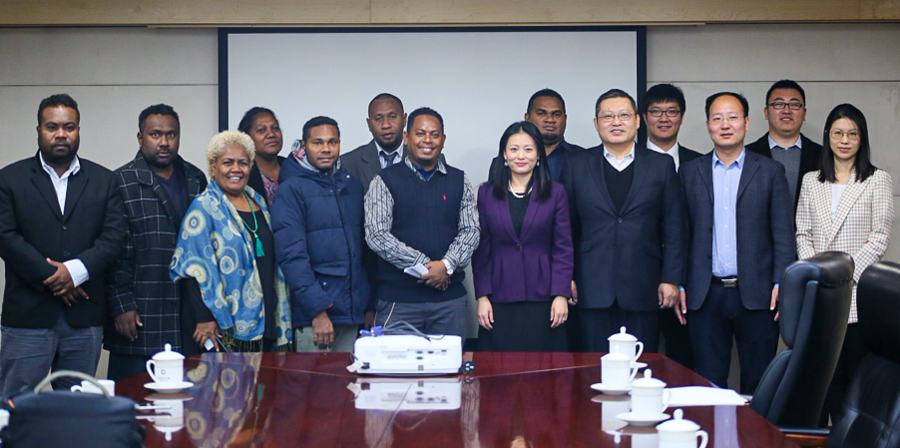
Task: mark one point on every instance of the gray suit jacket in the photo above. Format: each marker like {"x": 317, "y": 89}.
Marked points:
{"x": 362, "y": 163}
{"x": 765, "y": 230}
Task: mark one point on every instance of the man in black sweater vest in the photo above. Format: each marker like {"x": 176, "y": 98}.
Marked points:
{"x": 421, "y": 214}
{"x": 628, "y": 226}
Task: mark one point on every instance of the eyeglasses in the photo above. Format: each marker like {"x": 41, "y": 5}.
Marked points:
{"x": 778, "y": 105}
{"x": 671, "y": 113}
{"x": 608, "y": 118}
{"x": 838, "y": 135}
{"x": 719, "y": 119}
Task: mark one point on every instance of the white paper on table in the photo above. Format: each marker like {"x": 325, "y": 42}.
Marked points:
{"x": 704, "y": 396}
{"x": 416, "y": 270}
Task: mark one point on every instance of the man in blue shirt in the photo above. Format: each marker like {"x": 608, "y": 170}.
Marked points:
{"x": 741, "y": 241}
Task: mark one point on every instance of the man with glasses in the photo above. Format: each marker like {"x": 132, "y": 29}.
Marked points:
{"x": 663, "y": 109}
{"x": 628, "y": 225}
{"x": 785, "y": 111}
{"x": 741, "y": 241}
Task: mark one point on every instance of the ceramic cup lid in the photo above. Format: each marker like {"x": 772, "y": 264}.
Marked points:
{"x": 678, "y": 424}
{"x": 622, "y": 336}
{"x": 648, "y": 382}
{"x": 168, "y": 354}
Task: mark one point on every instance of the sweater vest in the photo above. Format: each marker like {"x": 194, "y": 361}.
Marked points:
{"x": 426, "y": 218}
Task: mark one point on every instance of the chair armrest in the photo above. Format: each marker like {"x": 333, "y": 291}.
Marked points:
{"x": 806, "y": 436}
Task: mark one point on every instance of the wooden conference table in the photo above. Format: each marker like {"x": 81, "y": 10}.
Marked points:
{"x": 538, "y": 399}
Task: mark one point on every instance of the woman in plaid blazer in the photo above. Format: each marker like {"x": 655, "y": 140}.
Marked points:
{"x": 847, "y": 205}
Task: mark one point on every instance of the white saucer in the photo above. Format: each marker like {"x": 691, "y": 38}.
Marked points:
{"x": 640, "y": 365}
{"x": 168, "y": 388}
{"x": 599, "y": 387}
{"x": 631, "y": 419}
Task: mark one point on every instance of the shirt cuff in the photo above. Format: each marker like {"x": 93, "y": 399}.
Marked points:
{"x": 77, "y": 271}
{"x": 448, "y": 266}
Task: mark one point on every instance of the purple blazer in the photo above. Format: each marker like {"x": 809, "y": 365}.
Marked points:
{"x": 534, "y": 266}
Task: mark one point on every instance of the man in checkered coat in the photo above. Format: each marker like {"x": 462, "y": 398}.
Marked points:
{"x": 147, "y": 309}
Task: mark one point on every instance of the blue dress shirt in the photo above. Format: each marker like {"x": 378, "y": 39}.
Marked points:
{"x": 726, "y": 180}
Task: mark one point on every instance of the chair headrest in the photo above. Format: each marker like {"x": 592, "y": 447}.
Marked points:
{"x": 878, "y": 309}
{"x": 823, "y": 271}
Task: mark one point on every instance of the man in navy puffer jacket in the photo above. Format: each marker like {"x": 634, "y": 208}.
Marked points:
{"x": 317, "y": 218}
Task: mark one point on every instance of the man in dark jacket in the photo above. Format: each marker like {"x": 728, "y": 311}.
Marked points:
{"x": 146, "y": 305}
{"x": 61, "y": 227}
{"x": 317, "y": 218}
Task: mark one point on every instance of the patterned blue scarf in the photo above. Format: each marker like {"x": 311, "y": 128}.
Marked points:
{"x": 215, "y": 248}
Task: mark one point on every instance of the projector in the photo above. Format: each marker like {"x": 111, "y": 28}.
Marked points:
{"x": 407, "y": 354}
{"x": 407, "y": 394}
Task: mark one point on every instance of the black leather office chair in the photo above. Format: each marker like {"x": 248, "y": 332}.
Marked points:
{"x": 871, "y": 409}
{"x": 814, "y": 300}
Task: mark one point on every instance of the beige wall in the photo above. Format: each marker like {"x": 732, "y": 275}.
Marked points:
{"x": 115, "y": 72}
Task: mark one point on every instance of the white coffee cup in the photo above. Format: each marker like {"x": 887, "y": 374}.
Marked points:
{"x": 649, "y": 397}
{"x": 90, "y": 388}
{"x": 625, "y": 344}
{"x": 616, "y": 371}
{"x": 166, "y": 367}
{"x": 681, "y": 433}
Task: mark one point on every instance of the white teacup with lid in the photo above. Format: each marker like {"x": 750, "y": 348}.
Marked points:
{"x": 625, "y": 344}
{"x": 649, "y": 397}
{"x": 167, "y": 366}
{"x": 681, "y": 433}
{"x": 616, "y": 371}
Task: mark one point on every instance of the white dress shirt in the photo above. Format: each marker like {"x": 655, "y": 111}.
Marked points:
{"x": 673, "y": 151}
{"x": 76, "y": 268}
{"x": 619, "y": 164}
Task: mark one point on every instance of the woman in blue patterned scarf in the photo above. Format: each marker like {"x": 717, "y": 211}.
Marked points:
{"x": 226, "y": 248}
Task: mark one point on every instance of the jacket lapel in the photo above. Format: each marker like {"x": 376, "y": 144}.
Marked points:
{"x": 77, "y": 182}
{"x": 640, "y": 171}
{"x": 751, "y": 166}
{"x": 705, "y": 170}
{"x": 530, "y": 213}
{"x": 41, "y": 181}
{"x": 848, "y": 198}
{"x": 596, "y": 167}
{"x": 370, "y": 161}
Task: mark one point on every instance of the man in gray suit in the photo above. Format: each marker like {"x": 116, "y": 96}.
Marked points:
{"x": 386, "y": 121}
{"x": 741, "y": 239}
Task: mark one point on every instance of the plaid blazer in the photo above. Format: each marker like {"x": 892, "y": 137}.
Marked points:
{"x": 141, "y": 278}
{"x": 861, "y": 225}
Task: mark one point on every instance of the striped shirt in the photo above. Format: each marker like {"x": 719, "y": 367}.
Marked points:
{"x": 380, "y": 216}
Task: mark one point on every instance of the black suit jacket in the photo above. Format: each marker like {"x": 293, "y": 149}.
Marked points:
{"x": 686, "y": 154}
{"x": 362, "y": 163}
{"x": 255, "y": 180}
{"x": 624, "y": 255}
{"x": 810, "y": 157}
{"x": 92, "y": 229}
{"x": 765, "y": 230}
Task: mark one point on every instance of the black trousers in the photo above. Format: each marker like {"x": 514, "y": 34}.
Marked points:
{"x": 597, "y": 324}
{"x": 723, "y": 318}
{"x": 677, "y": 338}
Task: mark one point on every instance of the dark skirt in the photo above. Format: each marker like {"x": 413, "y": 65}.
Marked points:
{"x": 522, "y": 326}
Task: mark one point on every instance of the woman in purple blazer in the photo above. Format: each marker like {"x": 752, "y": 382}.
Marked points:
{"x": 523, "y": 265}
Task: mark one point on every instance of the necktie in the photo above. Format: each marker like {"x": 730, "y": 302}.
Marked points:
{"x": 387, "y": 159}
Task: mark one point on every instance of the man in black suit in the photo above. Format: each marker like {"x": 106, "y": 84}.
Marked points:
{"x": 663, "y": 110}
{"x": 148, "y": 308}
{"x": 741, "y": 239}
{"x": 627, "y": 208}
{"x": 386, "y": 121}
{"x": 785, "y": 111}
{"x": 61, "y": 227}
{"x": 547, "y": 110}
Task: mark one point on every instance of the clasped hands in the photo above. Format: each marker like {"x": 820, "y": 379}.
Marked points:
{"x": 436, "y": 277}
{"x": 62, "y": 285}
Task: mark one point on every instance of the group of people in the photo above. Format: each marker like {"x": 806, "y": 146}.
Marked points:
{"x": 566, "y": 244}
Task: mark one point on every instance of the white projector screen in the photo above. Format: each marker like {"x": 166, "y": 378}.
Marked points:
{"x": 478, "y": 79}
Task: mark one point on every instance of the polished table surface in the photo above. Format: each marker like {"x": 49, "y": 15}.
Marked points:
{"x": 528, "y": 399}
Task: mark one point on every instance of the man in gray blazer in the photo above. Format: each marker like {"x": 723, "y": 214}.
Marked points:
{"x": 386, "y": 121}
{"x": 741, "y": 239}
